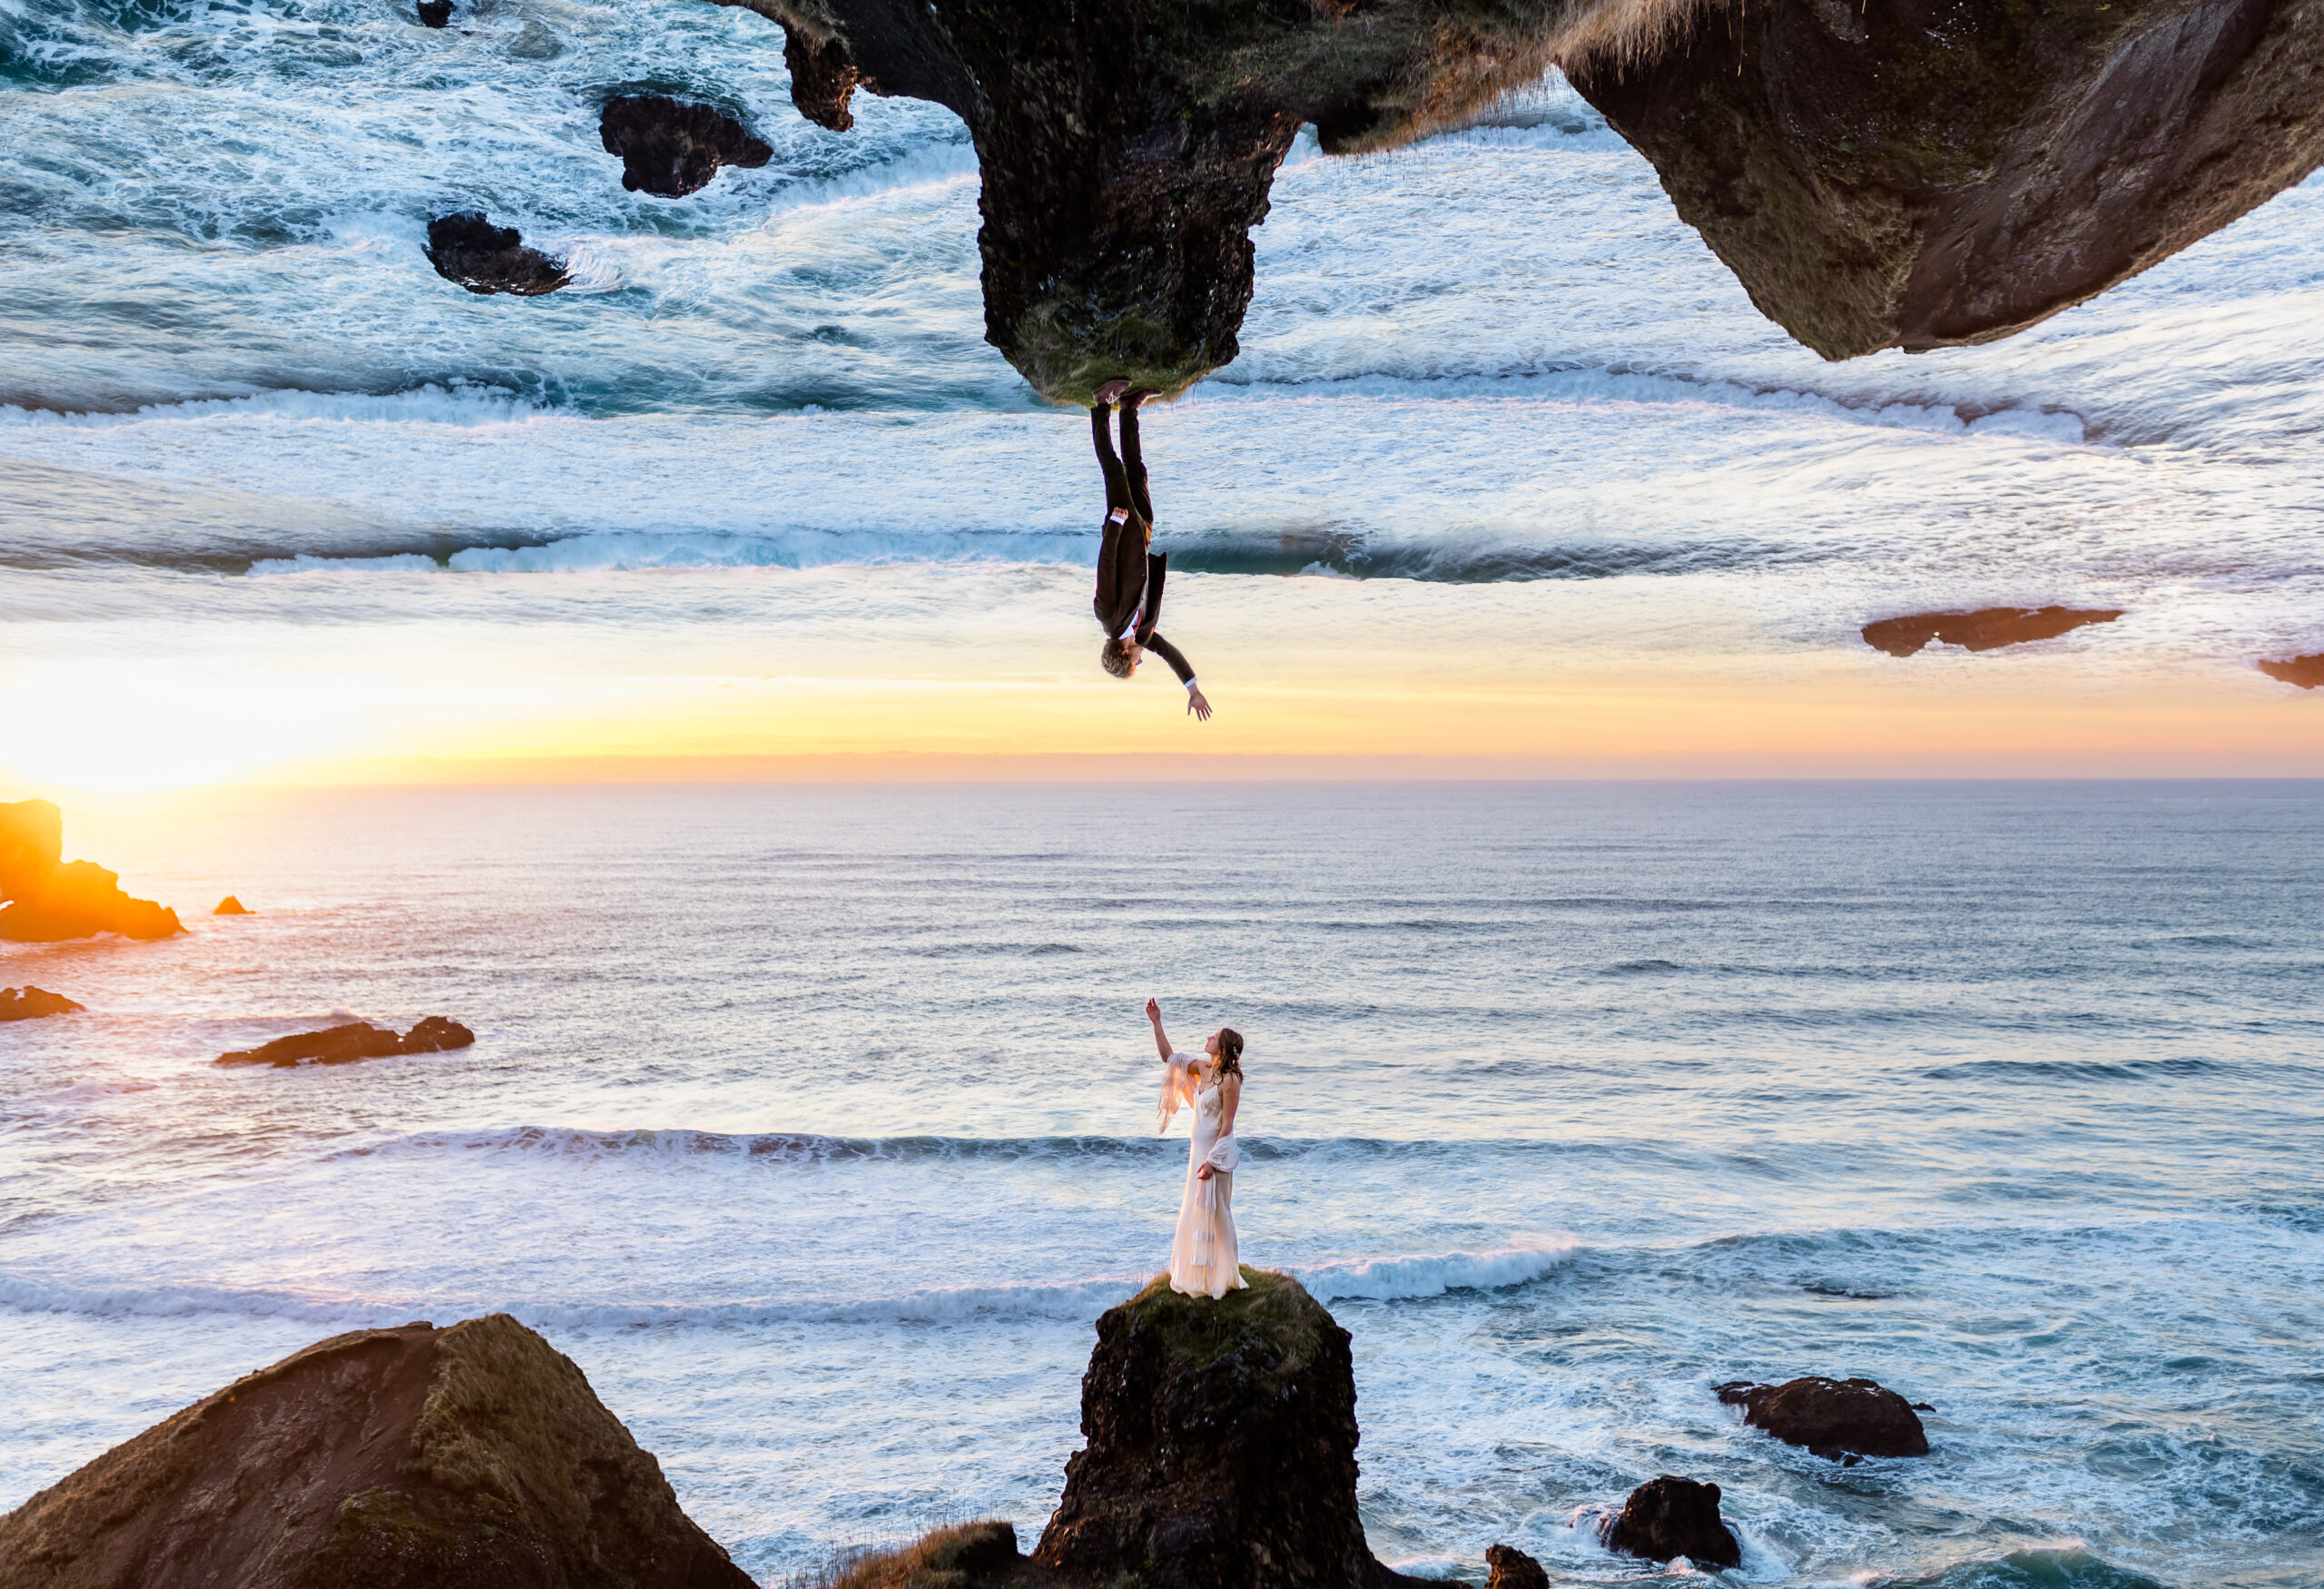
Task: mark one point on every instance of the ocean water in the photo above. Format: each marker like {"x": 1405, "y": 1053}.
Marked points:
{"x": 816, "y": 1125}
{"x": 233, "y": 393}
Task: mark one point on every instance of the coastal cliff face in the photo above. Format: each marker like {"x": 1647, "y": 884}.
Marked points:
{"x": 1127, "y": 151}
{"x": 472, "y": 1457}
{"x": 1894, "y": 172}
{"x": 1918, "y": 174}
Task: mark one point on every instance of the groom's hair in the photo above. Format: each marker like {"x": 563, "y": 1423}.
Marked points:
{"x": 1230, "y": 1051}
{"x": 1115, "y": 659}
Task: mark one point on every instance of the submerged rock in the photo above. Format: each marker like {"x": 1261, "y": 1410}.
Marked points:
{"x": 1919, "y": 174}
{"x": 2307, "y": 672}
{"x": 435, "y": 13}
{"x": 1511, "y": 1568}
{"x": 1669, "y": 1517}
{"x": 1986, "y": 629}
{"x": 1838, "y": 1419}
{"x": 467, "y": 249}
{"x": 473, "y": 1457}
{"x": 1221, "y": 1448}
{"x": 50, "y": 899}
{"x": 672, "y": 148}
{"x": 358, "y": 1040}
{"x": 230, "y": 906}
{"x": 31, "y": 1003}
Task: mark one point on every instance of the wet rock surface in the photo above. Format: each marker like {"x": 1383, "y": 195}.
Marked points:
{"x": 1986, "y": 629}
{"x": 31, "y": 1003}
{"x": 472, "y": 1457}
{"x": 435, "y": 13}
{"x": 1511, "y": 1568}
{"x": 50, "y": 900}
{"x": 671, "y": 148}
{"x": 1919, "y": 174}
{"x": 1839, "y": 1419}
{"x": 357, "y": 1040}
{"x": 1669, "y": 1517}
{"x": 469, "y": 250}
{"x": 1221, "y": 1448}
{"x": 2307, "y": 672}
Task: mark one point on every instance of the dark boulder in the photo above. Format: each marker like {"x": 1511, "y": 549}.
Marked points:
{"x": 485, "y": 259}
{"x": 1839, "y": 1419}
{"x": 1919, "y": 174}
{"x": 435, "y": 13}
{"x": 473, "y": 1457}
{"x": 358, "y": 1040}
{"x": 230, "y": 906}
{"x": 1668, "y": 1518}
{"x": 51, "y": 898}
{"x": 672, "y": 148}
{"x": 1511, "y": 1568}
{"x": 1986, "y": 629}
{"x": 30, "y": 1004}
{"x": 2307, "y": 672}
{"x": 1222, "y": 1448}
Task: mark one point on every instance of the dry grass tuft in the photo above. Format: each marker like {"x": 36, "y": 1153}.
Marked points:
{"x": 951, "y": 1558}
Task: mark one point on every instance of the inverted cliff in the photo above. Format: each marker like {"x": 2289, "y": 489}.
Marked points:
{"x": 1877, "y": 172}
{"x": 472, "y": 1457}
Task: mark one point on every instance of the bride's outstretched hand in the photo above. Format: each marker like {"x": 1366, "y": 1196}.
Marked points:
{"x": 1154, "y": 1011}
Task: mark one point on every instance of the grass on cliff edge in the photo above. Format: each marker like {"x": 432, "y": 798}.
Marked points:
{"x": 1271, "y": 1306}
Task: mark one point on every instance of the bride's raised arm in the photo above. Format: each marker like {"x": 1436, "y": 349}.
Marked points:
{"x": 1177, "y": 1076}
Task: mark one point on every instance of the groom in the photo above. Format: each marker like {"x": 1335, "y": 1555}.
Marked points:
{"x": 1130, "y": 574}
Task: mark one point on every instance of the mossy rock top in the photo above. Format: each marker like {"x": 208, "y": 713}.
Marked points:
{"x": 1272, "y": 1312}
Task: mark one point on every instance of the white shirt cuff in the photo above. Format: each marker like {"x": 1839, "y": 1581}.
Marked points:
{"x": 1191, "y": 683}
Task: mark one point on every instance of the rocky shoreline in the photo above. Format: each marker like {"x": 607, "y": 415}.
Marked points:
{"x": 1221, "y": 1453}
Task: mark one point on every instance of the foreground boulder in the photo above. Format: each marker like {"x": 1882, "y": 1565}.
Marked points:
{"x": 1839, "y": 1419}
{"x": 672, "y": 148}
{"x": 1511, "y": 1568}
{"x": 358, "y": 1040}
{"x": 30, "y": 1004}
{"x": 485, "y": 259}
{"x": 51, "y": 898}
{"x": 1988, "y": 628}
{"x": 1669, "y": 1517}
{"x": 1222, "y": 1448}
{"x": 2307, "y": 672}
{"x": 473, "y": 1457}
{"x": 1919, "y": 174}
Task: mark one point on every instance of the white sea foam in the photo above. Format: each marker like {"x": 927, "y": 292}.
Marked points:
{"x": 1409, "y": 1276}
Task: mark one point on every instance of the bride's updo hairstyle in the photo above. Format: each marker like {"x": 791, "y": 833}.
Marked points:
{"x": 1230, "y": 1051}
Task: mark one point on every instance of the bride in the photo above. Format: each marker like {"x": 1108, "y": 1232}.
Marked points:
{"x": 1203, "y": 1261}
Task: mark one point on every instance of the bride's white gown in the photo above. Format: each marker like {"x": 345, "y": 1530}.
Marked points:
{"x": 1204, "y": 1260}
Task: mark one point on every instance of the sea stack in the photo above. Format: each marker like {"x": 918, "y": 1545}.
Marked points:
{"x": 230, "y": 906}
{"x": 51, "y": 900}
{"x": 1669, "y": 1517}
{"x": 472, "y": 1457}
{"x": 1221, "y": 1448}
{"x": 671, "y": 148}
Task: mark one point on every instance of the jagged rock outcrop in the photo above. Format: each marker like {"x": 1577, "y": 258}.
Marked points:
{"x": 358, "y": 1040}
{"x": 1221, "y": 1448}
{"x": 232, "y": 906}
{"x": 51, "y": 898}
{"x": 473, "y": 1457}
{"x": 1986, "y": 629}
{"x": 1919, "y": 174}
{"x": 1507, "y": 1567}
{"x": 485, "y": 259}
{"x": 1838, "y": 1419}
{"x": 2307, "y": 672}
{"x": 1669, "y": 1517}
{"x": 671, "y": 148}
{"x": 30, "y": 1004}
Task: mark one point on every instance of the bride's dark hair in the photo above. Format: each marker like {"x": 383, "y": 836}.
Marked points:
{"x": 1230, "y": 1054}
